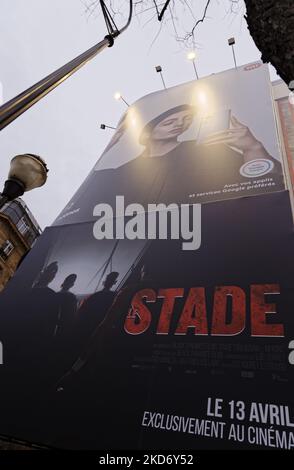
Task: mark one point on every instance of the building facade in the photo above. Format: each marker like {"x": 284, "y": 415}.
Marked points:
{"x": 285, "y": 119}
{"x": 18, "y": 232}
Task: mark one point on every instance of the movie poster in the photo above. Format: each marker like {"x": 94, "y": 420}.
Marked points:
{"x": 155, "y": 313}
{"x": 175, "y": 349}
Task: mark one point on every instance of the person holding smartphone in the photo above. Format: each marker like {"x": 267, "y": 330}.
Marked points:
{"x": 171, "y": 171}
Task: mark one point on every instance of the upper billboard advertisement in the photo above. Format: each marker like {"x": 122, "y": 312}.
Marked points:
{"x": 203, "y": 141}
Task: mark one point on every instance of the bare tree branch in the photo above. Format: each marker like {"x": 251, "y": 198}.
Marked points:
{"x": 156, "y": 7}
{"x": 270, "y": 23}
{"x": 161, "y": 15}
{"x": 201, "y": 19}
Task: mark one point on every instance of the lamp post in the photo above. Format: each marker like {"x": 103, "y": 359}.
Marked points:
{"x": 192, "y": 56}
{"x": 18, "y": 105}
{"x": 26, "y": 172}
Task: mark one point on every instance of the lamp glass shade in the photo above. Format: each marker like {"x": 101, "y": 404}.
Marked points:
{"x": 29, "y": 169}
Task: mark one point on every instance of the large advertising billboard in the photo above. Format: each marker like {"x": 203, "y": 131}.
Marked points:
{"x": 203, "y": 141}
{"x": 156, "y": 313}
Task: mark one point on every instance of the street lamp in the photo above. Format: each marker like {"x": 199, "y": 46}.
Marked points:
{"x": 26, "y": 172}
{"x": 104, "y": 126}
{"x": 192, "y": 56}
{"x": 231, "y": 43}
{"x": 118, "y": 96}
{"x": 158, "y": 69}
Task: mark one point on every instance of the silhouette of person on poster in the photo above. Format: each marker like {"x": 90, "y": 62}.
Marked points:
{"x": 99, "y": 339}
{"x": 67, "y": 307}
{"x": 93, "y": 311}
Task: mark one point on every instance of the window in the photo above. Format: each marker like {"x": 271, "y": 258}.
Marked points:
{"x": 6, "y": 249}
{"x": 23, "y": 226}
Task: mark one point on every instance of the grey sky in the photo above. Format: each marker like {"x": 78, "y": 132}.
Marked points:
{"x": 39, "y": 36}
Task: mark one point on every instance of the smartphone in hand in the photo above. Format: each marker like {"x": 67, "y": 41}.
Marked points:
{"x": 210, "y": 123}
